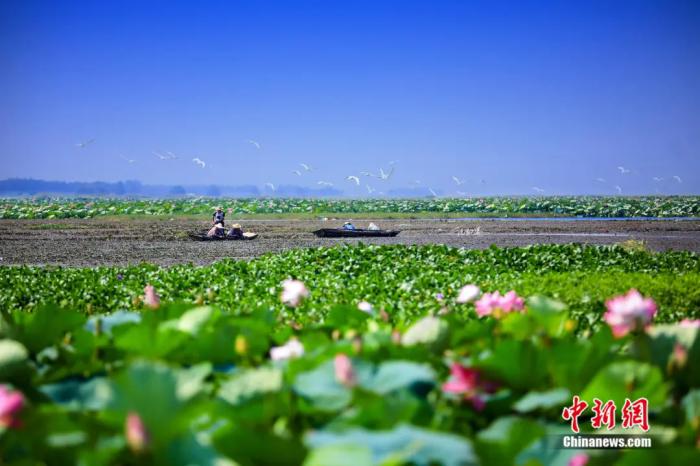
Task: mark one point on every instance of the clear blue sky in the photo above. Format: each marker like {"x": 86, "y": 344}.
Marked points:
{"x": 517, "y": 93}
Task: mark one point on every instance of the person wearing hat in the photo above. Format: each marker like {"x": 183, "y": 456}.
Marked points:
{"x": 218, "y": 216}
{"x": 236, "y": 232}
{"x": 348, "y": 226}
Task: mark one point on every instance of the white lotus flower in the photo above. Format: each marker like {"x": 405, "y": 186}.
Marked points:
{"x": 468, "y": 294}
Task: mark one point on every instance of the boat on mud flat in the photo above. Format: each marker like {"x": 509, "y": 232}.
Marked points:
{"x": 204, "y": 237}
{"x": 357, "y": 233}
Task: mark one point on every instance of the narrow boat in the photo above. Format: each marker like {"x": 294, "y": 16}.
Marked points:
{"x": 357, "y": 233}
{"x": 204, "y": 237}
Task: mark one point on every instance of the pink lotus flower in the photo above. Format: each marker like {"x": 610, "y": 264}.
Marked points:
{"x": 292, "y": 349}
{"x": 150, "y": 297}
{"x": 293, "y": 291}
{"x": 629, "y": 312}
{"x": 491, "y": 302}
{"x": 468, "y": 294}
{"x": 11, "y": 403}
{"x": 580, "y": 459}
{"x": 467, "y": 382}
{"x": 344, "y": 373}
{"x": 690, "y": 323}
{"x": 136, "y": 434}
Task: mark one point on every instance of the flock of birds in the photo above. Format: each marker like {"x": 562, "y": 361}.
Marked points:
{"x": 381, "y": 175}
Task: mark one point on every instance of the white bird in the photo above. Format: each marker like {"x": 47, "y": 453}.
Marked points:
{"x": 325, "y": 183}
{"x": 128, "y": 160}
{"x": 600, "y": 180}
{"x": 171, "y": 155}
{"x": 623, "y": 170}
{"x": 537, "y": 189}
{"x": 307, "y": 168}
{"x": 255, "y": 143}
{"x": 84, "y": 144}
{"x": 370, "y": 189}
{"x": 162, "y": 157}
{"x": 271, "y": 186}
{"x": 657, "y": 179}
{"x": 199, "y": 162}
{"x": 354, "y": 178}
{"x": 677, "y": 178}
{"x": 296, "y": 172}
{"x": 457, "y": 180}
{"x": 433, "y": 192}
{"x": 619, "y": 189}
{"x": 366, "y": 174}
{"x": 393, "y": 162}
{"x": 385, "y": 176}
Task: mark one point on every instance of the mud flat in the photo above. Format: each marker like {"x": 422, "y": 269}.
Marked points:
{"x": 124, "y": 240}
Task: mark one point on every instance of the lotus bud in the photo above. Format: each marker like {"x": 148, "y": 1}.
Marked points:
{"x": 344, "y": 373}
{"x": 136, "y": 434}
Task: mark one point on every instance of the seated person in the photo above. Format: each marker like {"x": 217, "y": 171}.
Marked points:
{"x": 217, "y": 231}
{"x": 218, "y": 216}
{"x": 235, "y": 232}
{"x": 373, "y": 227}
{"x": 348, "y": 226}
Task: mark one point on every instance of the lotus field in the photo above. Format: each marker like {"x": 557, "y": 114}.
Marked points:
{"x": 351, "y": 355}
{"x": 585, "y": 206}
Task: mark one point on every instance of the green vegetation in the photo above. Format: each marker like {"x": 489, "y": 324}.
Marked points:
{"x": 587, "y": 206}
{"x": 107, "y": 378}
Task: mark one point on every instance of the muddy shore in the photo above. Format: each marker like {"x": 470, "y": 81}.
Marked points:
{"x": 123, "y": 241}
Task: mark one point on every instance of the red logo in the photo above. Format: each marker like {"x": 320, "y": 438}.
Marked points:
{"x": 634, "y": 413}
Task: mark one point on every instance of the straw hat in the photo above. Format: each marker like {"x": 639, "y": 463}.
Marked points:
{"x": 219, "y": 208}
{"x": 236, "y": 225}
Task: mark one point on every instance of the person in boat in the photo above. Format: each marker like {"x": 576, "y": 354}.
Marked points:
{"x": 373, "y": 227}
{"x": 348, "y": 226}
{"x": 217, "y": 231}
{"x": 218, "y": 216}
{"x": 236, "y": 232}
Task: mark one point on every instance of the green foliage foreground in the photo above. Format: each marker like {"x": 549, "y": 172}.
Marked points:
{"x": 585, "y": 206}
{"x": 200, "y": 382}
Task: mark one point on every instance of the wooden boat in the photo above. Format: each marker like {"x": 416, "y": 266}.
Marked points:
{"x": 204, "y": 237}
{"x": 357, "y": 233}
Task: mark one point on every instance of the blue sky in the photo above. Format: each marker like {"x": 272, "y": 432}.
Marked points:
{"x": 517, "y": 94}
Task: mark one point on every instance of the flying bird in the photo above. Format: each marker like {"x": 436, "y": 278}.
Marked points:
{"x": 537, "y": 189}
{"x": 433, "y": 192}
{"x": 657, "y": 179}
{"x": 370, "y": 189}
{"x": 619, "y": 189}
{"x": 623, "y": 170}
{"x": 307, "y": 168}
{"x": 84, "y": 144}
{"x": 199, "y": 162}
{"x": 171, "y": 155}
{"x": 128, "y": 160}
{"x": 385, "y": 176}
{"x": 366, "y": 174}
{"x": 255, "y": 143}
{"x": 271, "y": 186}
{"x": 677, "y": 178}
{"x": 325, "y": 183}
{"x": 457, "y": 181}
{"x": 600, "y": 180}
{"x": 296, "y": 172}
{"x": 354, "y": 178}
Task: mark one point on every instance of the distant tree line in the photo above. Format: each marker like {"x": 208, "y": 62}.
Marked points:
{"x": 32, "y": 187}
